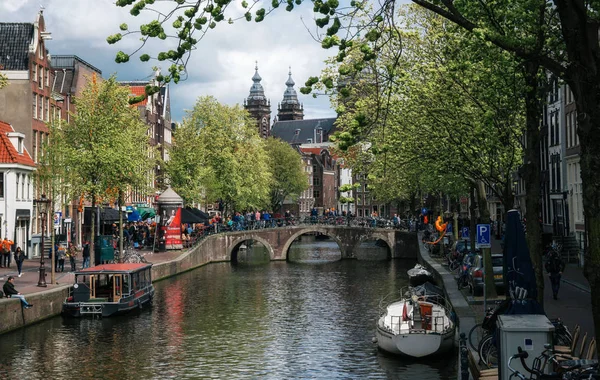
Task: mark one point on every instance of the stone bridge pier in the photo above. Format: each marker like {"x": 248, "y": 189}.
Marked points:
{"x": 401, "y": 244}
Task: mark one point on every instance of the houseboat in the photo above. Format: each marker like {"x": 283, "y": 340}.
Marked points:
{"x": 110, "y": 289}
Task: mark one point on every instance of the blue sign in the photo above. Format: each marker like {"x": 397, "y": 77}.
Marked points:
{"x": 464, "y": 233}
{"x": 449, "y": 228}
{"x": 424, "y": 211}
{"x": 483, "y": 236}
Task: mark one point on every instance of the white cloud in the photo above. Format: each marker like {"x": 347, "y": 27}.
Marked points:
{"x": 222, "y": 65}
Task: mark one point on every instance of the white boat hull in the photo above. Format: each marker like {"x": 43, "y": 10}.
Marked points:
{"x": 415, "y": 345}
{"x": 415, "y": 328}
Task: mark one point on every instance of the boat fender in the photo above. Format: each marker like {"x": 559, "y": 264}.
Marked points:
{"x": 374, "y": 340}
{"x": 140, "y": 303}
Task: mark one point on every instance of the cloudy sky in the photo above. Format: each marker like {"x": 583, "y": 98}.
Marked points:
{"x": 222, "y": 66}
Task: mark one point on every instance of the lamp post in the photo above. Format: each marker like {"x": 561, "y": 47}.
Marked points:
{"x": 43, "y": 204}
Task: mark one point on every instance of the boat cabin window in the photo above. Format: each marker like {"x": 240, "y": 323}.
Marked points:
{"x": 144, "y": 278}
{"x": 125, "y": 284}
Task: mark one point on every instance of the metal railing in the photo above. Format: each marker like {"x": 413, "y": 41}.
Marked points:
{"x": 252, "y": 225}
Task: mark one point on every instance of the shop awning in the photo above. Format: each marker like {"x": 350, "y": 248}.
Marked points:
{"x": 146, "y": 212}
{"x": 107, "y": 215}
{"x": 187, "y": 216}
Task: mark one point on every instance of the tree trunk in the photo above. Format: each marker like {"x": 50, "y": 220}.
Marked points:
{"x": 52, "y": 239}
{"x": 92, "y": 248}
{"x": 120, "y": 254}
{"x": 473, "y": 220}
{"x": 532, "y": 172}
{"x": 486, "y": 253}
{"x": 587, "y": 95}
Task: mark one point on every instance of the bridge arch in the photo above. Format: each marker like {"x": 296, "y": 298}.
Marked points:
{"x": 324, "y": 231}
{"x": 375, "y": 236}
{"x": 236, "y": 241}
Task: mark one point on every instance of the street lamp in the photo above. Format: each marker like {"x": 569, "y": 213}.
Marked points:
{"x": 43, "y": 205}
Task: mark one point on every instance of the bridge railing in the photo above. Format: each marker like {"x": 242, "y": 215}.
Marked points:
{"x": 250, "y": 225}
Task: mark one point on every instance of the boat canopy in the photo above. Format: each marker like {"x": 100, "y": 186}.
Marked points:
{"x": 124, "y": 267}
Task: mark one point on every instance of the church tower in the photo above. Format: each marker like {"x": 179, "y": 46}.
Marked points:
{"x": 290, "y": 108}
{"x": 258, "y": 106}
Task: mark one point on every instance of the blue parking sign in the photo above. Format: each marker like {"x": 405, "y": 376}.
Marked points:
{"x": 464, "y": 233}
{"x": 483, "y": 236}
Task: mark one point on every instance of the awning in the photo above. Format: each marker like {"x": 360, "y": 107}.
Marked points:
{"x": 187, "y": 216}
{"x": 146, "y": 212}
{"x": 22, "y": 214}
{"x": 107, "y": 215}
{"x": 201, "y": 214}
{"x": 134, "y": 216}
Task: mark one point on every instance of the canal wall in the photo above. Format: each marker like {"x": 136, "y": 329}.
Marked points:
{"x": 465, "y": 317}
{"x": 47, "y": 303}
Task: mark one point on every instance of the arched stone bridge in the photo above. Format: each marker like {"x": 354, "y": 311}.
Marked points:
{"x": 221, "y": 247}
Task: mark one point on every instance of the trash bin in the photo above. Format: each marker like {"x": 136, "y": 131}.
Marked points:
{"x": 528, "y": 331}
{"x": 103, "y": 249}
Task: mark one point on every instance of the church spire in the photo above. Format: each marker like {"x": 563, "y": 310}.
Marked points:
{"x": 290, "y": 107}
{"x": 258, "y": 105}
{"x": 257, "y": 91}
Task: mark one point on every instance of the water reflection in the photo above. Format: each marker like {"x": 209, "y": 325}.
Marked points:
{"x": 278, "y": 320}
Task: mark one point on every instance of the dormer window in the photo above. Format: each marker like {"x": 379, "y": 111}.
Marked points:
{"x": 20, "y": 145}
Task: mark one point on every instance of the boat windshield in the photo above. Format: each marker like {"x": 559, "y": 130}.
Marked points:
{"x": 104, "y": 286}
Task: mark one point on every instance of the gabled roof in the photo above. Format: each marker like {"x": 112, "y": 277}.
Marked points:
{"x": 315, "y": 151}
{"x": 137, "y": 91}
{"x": 299, "y": 131}
{"x": 8, "y": 152}
{"x": 15, "y": 38}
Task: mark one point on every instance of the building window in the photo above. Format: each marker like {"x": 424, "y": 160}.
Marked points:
{"x": 316, "y": 181}
{"x": 41, "y": 76}
{"x": 35, "y": 144}
{"x": 18, "y": 179}
{"x": 40, "y": 107}
{"x": 34, "y": 106}
{"x": 47, "y": 77}
{"x": 28, "y": 187}
{"x": 1, "y": 184}
{"x": 316, "y": 194}
{"x": 47, "y": 115}
{"x": 34, "y": 72}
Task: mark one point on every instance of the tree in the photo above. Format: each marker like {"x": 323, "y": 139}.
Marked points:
{"x": 527, "y": 33}
{"x": 289, "y": 177}
{"x": 454, "y": 114}
{"x": 52, "y": 179}
{"x": 233, "y": 154}
{"x": 106, "y": 146}
{"x": 3, "y": 80}
{"x": 185, "y": 170}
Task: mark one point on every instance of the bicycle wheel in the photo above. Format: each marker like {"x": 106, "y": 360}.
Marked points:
{"x": 488, "y": 354}
{"x": 476, "y": 335}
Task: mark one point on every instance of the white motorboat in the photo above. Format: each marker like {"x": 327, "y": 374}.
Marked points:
{"x": 417, "y": 325}
{"x": 419, "y": 275}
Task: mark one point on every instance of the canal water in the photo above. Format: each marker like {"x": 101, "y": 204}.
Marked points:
{"x": 309, "y": 318}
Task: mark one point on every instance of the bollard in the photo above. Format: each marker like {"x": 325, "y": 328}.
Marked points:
{"x": 464, "y": 359}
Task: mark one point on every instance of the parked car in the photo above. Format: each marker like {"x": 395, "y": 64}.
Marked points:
{"x": 476, "y": 274}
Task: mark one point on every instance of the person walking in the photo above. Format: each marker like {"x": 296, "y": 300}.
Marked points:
{"x": 555, "y": 266}
{"x": 19, "y": 258}
{"x": 5, "y": 259}
{"x": 72, "y": 254}
{"x": 86, "y": 255}
{"x": 11, "y": 292}
{"x": 61, "y": 260}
